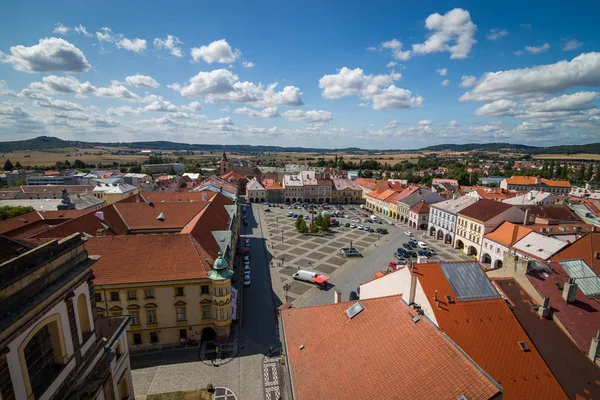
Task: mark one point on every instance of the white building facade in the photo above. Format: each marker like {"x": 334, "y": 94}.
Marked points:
{"x": 442, "y": 218}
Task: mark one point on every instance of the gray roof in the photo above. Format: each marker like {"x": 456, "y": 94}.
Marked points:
{"x": 421, "y": 195}
{"x": 468, "y": 281}
{"x": 81, "y": 202}
{"x": 455, "y": 205}
{"x": 586, "y": 279}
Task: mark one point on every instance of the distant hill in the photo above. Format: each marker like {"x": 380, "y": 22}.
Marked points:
{"x": 49, "y": 143}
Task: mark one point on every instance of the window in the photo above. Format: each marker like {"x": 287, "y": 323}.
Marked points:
{"x": 137, "y": 338}
{"x": 498, "y": 250}
{"x": 98, "y": 297}
{"x": 222, "y": 315}
{"x": 204, "y": 289}
{"x": 135, "y": 317}
{"x": 132, "y": 294}
{"x": 149, "y": 293}
{"x": 220, "y": 291}
{"x": 153, "y": 337}
{"x": 42, "y": 367}
{"x": 180, "y": 313}
{"x": 205, "y": 312}
{"x": 151, "y": 316}
{"x": 179, "y": 291}
{"x": 114, "y": 296}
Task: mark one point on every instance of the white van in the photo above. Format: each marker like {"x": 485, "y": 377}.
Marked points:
{"x": 422, "y": 245}
{"x": 306, "y": 276}
{"x": 374, "y": 218}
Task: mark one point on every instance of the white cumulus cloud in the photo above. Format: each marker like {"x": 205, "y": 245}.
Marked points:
{"x": 193, "y": 106}
{"x": 442, "y": 71}
{"x": 81, "y": 30}
{"x": 425, "y": 122}
{"x": 497, "y": 108}
{"x": 496, "y": 33}
{"x": 467, "y": 81}
{"x": 50, "y": 54}
{"x": 535, "y": 50}
{"x": 218, "y": 51}
{"x": 445, "y": 82}
{"x": 452, "y": 32}
{"x": 248, "y": 64}
{"x": 138, "y": 80}
{"x": 391, "y": 124}
{"x": 135, "y": 45}
{"x": 269, "y": 112}
{"x": 60, "y": 29}
{"x": 170, "y": 43}
{"x": 572, "y": 45}
{"x": 583, "y": 70}
{"x": 311, "y": 117}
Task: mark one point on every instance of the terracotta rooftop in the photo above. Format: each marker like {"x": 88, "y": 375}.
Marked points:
{"x": 176, "y": 197}
{"x": 386, "y": 194}
{"x": 369, "y": 183}
{"x": 271, "y": 184}
{"x": 484, "y": 210}
{"x": 582, "y": 318}
{"x": 587, "y": 248}
{"x": 508, "y": 233}
{"x": 420, "y": 208}
{"x": 147, "y": 258}
{"x": 141, "y": 216}
{"x": 232, "y": 175}
{"x": 530, "y": 180}
{"x": 18, "y": 222}
{"x": 332, "y": 356}
{"x": 11, "y": 248}
{"x": 494, "y": 193}
{"x": 490, "y": 334}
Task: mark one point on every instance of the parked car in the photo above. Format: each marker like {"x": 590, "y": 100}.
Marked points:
{"x": 352, "y": 226}
{"x": 408, "y": 233}
{"x": 422, "y": 253}
{"x": 335, "y": 223}
{"x": 391, "y": 222}
{"x": 290, "y": 214}
{"x": 353, "y": 296}
{"x": 247, "y": 280}
{"x": 347, "y": 224}
{"x": 422, "y": 245}
{"x": 247, "y": 242}
{"x": 383, "y": 231}
{"x": 267, "y": 209}
{"x": 246, "y": 268}
{"x": 361, "y": 227}
{"x": 412, "y": 254}
{"x": 245, "y": 222}
{"x": 399, "y": 256}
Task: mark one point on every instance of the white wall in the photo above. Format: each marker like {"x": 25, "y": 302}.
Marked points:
{"x": 84, "y": 288}
{"x": 388, "y": 285}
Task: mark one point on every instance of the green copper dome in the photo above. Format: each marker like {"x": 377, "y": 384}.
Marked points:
{"x": 219, "y": 270}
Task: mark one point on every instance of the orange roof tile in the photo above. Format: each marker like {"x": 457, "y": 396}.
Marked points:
{"x": 332, "y": 356}
{"x": 386, "y": 194}
{"x": 530, "y": 180}
{"x": 147, "y": 258}
{"x": 232, "y": 175}
{"x": 271, "y": 184}
{"x": 143, "y": 216}
{"x": 20, "y": 221}
{"x": 508, "y": 233}
{"x": 214, "y": 217}
{"x": 176, "y": 197}
{"x": 369, "y": 183}
{"x": 489, "y": 333}
{"x": 586, "y": 247}
{"x": 421, "y": 208}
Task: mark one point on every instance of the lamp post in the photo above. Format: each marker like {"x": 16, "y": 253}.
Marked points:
{"x": 282, "y": 236}
{"x": 286, "y": 287}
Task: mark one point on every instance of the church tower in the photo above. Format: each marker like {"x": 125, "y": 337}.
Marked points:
{"x": 223, "y": 165}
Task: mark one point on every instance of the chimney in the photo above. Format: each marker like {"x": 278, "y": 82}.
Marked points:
{"x": 100, "y": 215}
{"x": 337, "y": 296}
{"x": 544, "y": 310}
{"x": 413, "y": 285}
{"x": 529, "y": 196}
{"x": 526, "y": 218}
{"x": 595, "y": 347}
{"x": 569, "y": 291}
{"x": 538, "y": 180}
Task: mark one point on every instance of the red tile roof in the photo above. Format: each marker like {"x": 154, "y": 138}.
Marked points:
{"x": 582, "y": 318}
{"x": 484, "y": 210}
{"x": 421, "y": 208}
{"x": 141, "y": 216}
{"x": 214, "y": 217}
{"x": 51, "y": 173}
{"x": 369, "y": 183}
{"x": 147, "y": 258}
{"x": 271, "y": 184}
{"x": 232, "y": 175}
{"x": 379, "y": 354}
{"x": 555, "y": 213}
{"x": 587, "y": 248}
{"x": 508, "y": 233}
{"x": 490, "y": 334}
{"x": 494, "y": 193}
{"x": 176, "y": 197}
{"x": 530, "y": 180}
{"x": 18, "y": 222}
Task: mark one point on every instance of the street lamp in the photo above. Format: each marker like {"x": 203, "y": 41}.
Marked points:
{"x": 286, "y": 287}
{"x": 282, "y": 236}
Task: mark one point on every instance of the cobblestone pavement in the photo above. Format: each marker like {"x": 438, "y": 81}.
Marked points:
{"x": 222, "y": 393}
{"x": 273, "y": 376}
{"x": 218, "y": 353}
{"x": 321, "y": 254}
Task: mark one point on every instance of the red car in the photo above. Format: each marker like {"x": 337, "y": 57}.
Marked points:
{"x": 396, "y": 265}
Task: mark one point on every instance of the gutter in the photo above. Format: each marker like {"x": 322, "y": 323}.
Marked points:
{"x": 289, "y": 366}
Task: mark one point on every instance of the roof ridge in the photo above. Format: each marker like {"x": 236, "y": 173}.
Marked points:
{"x": 120, "y": 216}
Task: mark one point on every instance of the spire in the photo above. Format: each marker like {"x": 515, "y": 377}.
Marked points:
{"x": 224, "y": 155}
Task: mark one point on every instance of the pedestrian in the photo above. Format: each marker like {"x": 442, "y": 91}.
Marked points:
{"x": 270, "y": 350}
{"x": 217, "y": 351}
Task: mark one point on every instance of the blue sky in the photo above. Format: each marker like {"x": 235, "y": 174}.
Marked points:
{"x": 372, "y": 75}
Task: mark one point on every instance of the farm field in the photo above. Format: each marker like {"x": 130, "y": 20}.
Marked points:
{"x": 581, "y": 156}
